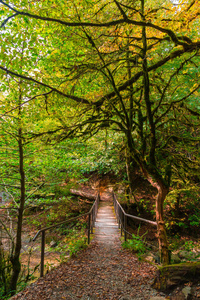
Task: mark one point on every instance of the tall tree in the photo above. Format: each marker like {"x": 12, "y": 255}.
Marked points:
{"x": 127, "y": 75}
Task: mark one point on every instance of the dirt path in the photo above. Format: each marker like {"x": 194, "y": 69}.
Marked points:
{"x": 103, "y": 271}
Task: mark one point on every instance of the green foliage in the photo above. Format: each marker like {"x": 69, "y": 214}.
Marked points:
{"x": 189, "y": 245}
{"x": 74, "y": 242}
{"x": 183, "y": 207}
{"x": 66, "y": 81}
{"x": 194, "y": 220}
{"x": 58, "y": 210}
{"x": 144, "y": 203}
{"x": 187, "y": 191}
{"x": 190, "y": 248}
{"x": 136, "y": 244}
{"x": 77, "y": 245}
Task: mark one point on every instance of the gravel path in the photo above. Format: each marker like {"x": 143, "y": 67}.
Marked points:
{"x": 103, "y": 271}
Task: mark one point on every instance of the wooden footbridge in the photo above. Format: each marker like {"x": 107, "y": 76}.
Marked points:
{"x": 107, "y": 217}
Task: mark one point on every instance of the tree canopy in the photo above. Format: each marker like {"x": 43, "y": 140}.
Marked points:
{"x": 131, "y": 67}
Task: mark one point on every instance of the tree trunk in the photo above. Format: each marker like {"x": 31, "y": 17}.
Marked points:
{"x": 130, "y": 174}
{"x": 161, "y": 231}
{"x": 16, "y": 266}
{"x": 150, "y": 169}
{"x": 177, "y": 205}
{"x": 88, "y": 195}
{"x": 156, "y": 180}
{"x": 173, "y": 275}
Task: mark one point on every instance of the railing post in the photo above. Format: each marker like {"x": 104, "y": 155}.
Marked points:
{"x": 121, "y": 219}
{"x": 114, "y": 204}
{"x": 125, "y": 228}
{"x": 89, "y": 220}
{"x": 42, "y": 254}
{"x": 118, "y": 216}
{"x": 97, "y": 207}
{"x": 92, "y": 220}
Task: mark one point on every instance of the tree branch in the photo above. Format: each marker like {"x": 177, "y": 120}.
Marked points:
{"x": 125, "y": 19}
{"x": 6, "y": 20}
{"x": 77, "y": 99}
{"x": 110, "y": 95}
{"x": 45, "y": 94}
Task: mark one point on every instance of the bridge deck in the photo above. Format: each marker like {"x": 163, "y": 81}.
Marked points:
{"x": 106, "y": 227}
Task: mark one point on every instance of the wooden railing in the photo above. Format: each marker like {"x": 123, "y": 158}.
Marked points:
{"x": 91, "y": 221}
{"x": 122, "y": 216}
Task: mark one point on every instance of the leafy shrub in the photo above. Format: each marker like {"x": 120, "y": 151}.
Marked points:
{"x": 74, "y": 242}
{"x": 136, "y": 244}
{"x": 76, "y": 245}
{"x": 189, "y": 245}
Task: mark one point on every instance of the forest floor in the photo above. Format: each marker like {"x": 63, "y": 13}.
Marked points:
{"x": 103, "y": 271}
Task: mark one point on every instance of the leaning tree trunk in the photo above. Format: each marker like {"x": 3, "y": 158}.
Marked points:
{"x": 150, "y": 169}
{"x": 157, "y": 181}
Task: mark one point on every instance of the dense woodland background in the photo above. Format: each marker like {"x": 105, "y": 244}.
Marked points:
{"x": 98, "y": 94}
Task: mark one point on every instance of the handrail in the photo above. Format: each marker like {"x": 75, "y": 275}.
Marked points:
{"x": 57, "y": 225}
{"x": 122, "y": 217}
{"x": 91, "y": 222}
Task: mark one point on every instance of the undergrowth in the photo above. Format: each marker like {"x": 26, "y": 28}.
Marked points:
{"x": 136, "y": 244}
{"x": 72, "y": 244}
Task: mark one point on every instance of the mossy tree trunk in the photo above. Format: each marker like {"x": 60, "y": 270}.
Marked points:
{"x": 173, "y": 275}
{"x": 161, "y": 231}
{"x": 15, "y": 255}
{"x": 130, "y": 175}
{"x": 15, "y": 258}
{"x": 149, "y": 168}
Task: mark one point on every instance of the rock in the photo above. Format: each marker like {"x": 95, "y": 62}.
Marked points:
{"x": 175, "y": 258}
{"x": 186, "y": 255}
{"x": 87, "y": 298}
{"x": 157, "y": 298}
{"x": 26, "y": 248}
{"x": 28, "y": 240}
{"x": 183, "y": 254}
{"x": 150, "y": 258}
{"x": 53, "y": 244}
{"x": 178, "y": 296}
{"x": 187, "y": 291}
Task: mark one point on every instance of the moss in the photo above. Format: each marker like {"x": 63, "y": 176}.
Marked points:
{"x": 172, "y": 275}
